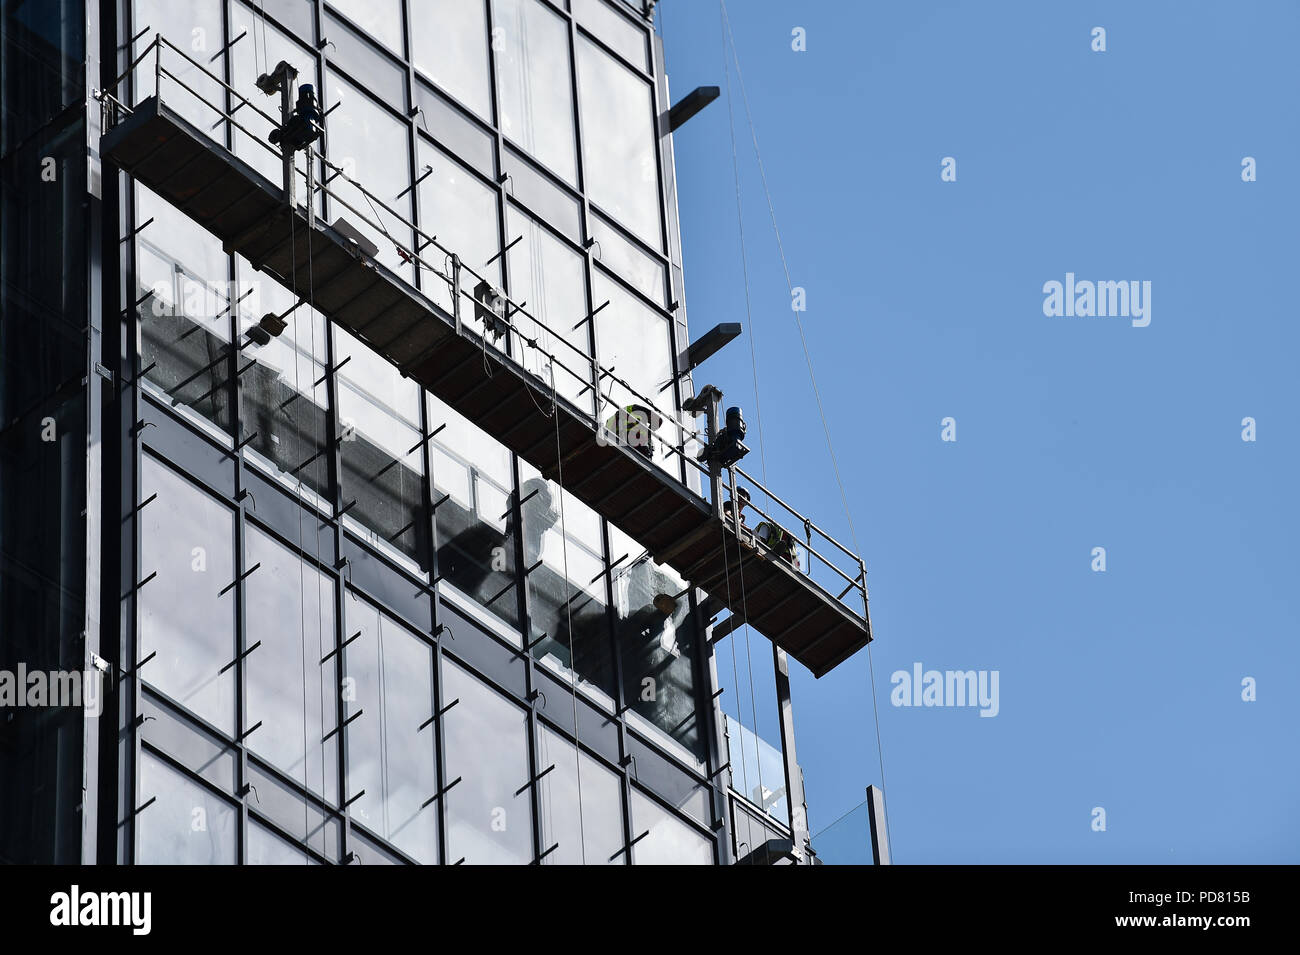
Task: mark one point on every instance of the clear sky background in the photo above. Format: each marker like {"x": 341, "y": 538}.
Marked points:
{"x": 1120, "y": 689}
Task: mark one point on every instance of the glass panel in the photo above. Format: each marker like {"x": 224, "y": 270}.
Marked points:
{"x": 370, "y": 145}
{"x": 486, "y": 742}
{"x": 255, "y": 54}
{"x": 281, "y": 406}
{"x": 476, "y": 540}
{"x": 184, "y": 314}
{"x": 195, "y": 29}
{"x": 383, "y": 459}
{"x": 384, "y": 78}
{"x": 618, "y": 33}
{"x": 618, "y": 142}
{"x": 847, "y": 841}
{"x": 534, "y": 89}
{"x": 185, "y": 824}
{"x": 461, "y": 67}
{"x": 670, "y": 841}
{"x": 636, "y": 267}
{"x": 458, "y": 208}
{"x": 450, "y": 127}
{"x": 559, "y": 208}
{"x": 656, "y": 638}
{"x": 290, "y": 692}
{"x": 266, "y": 848}
{"x": 189, "y": 540}
{"x": 566, "y": 593}
{"x": 382, "y": 19}
{"x": 757, "y": 770}
{"x": 294, "y": 813}
{"x": 548, "y": 276}
{"x": 581, "y": 805}
{"x": 633, "y": 340}
{"x": 184, "y": 741}
{"x": 391, "y": 747}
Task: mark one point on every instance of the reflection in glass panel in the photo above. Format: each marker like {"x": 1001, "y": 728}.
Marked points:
{"x": 195, "y": 28}
{"x": 634, "y": 339}
{"x": 460, "y": 68}
{"x": 476, "y": 541}
{"x": 618, "y": 142}
{"x": 282, "y": 408}
{"x": 548, "y": 275}
{"x": 534, "y": 89}
{"x": 566, "y": 591}
{"x": 267, "y": 848}
{"x": 757, "y": 769}
{"x": 382, "y": 19}
{"x": 290, "y": 611}
{"x": 189, "y": 540}
{"x": 489, "y": 822}
{"x": 185, "y": 824}
{"x": 670, "y": 841}
{"x": 383, "y": 453}
{"x": 656, "y": 638}
{"x": 391, "y": 746}
{"x": 457, "y": 207}
{"x": 371, "y": 146}
{"x": 184, "y": 313}
{"x": 586, "y": 821}
{"x": 259, "y": 52}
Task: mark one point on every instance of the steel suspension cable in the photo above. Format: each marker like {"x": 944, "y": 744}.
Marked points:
{"x": 771, "y": 207}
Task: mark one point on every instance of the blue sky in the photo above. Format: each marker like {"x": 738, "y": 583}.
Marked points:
{"x": 1122, "y": 689}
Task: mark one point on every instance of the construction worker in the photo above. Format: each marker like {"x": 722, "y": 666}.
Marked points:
{"x": 779, "y": 541}
{"x": 738, "y": 507}
{"x": 633, "y": 427}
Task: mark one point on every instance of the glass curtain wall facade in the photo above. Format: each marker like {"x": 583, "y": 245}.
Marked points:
{"x": 355, "y": 627}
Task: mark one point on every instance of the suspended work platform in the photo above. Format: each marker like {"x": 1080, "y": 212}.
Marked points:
{"x": 799, "y": 605}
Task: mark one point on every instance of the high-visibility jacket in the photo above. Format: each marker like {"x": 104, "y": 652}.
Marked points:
{"x": 634, "y": 418}
{"x": 778, "y": 540}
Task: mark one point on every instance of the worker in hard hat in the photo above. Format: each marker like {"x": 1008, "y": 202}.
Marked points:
{"x": 734, "y": 513}
{"x": 634, "y": 427}
{"x": 779, "y": 541}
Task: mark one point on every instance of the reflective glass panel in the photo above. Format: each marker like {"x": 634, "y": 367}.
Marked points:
{"x": 618, "y": 142}
{"x": 283, "y": 393}
{"x": 548, "y": 275}
{"x": 670, "y": 841}
{"x": 460, "y": 67}
{"x": 189, "y": 540}
{"x": 489, "y": 821}
{"x": 389, "y": 682}
{"x": 581, "y": 805}
{"x": 382, "y": 19}
{"x": 185, "y": 824}
{"x": 371, "y": 146}
{"x": 566, "y": 590}
{"x": 290, "y": 691}
{"x": 656, "y": 639}
{"x": 184, "y": 313}
{"x": 534, "y": 89}
{"x": 383, "y": 454}
{"x": 476, "y": 540}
